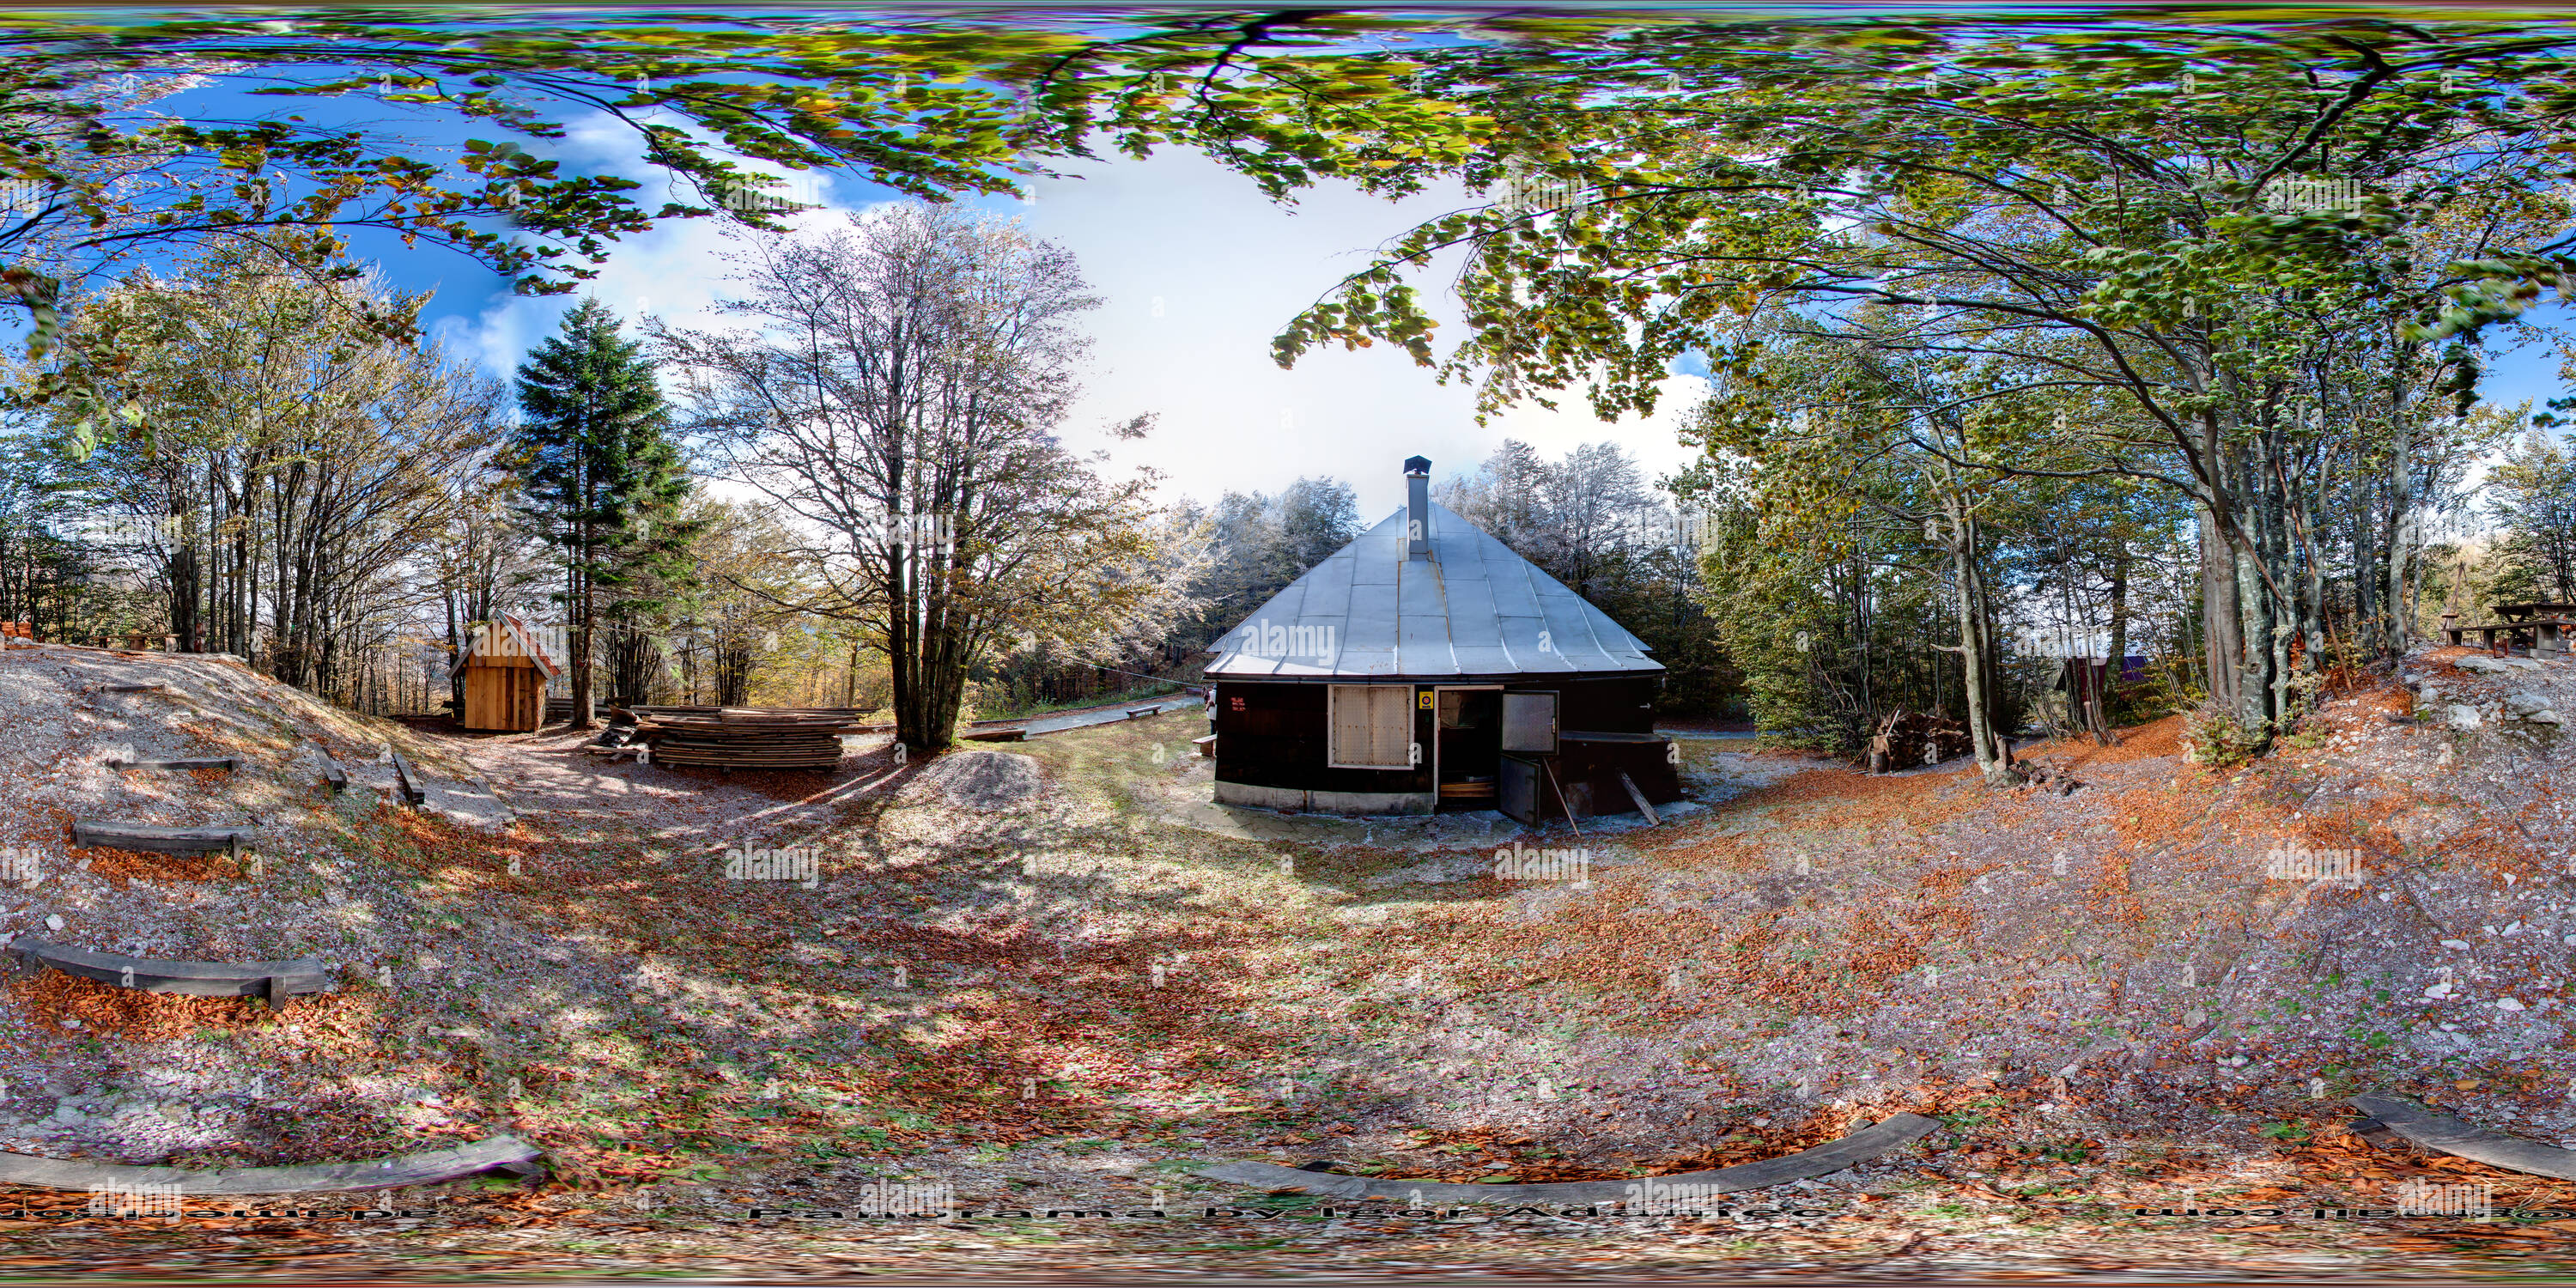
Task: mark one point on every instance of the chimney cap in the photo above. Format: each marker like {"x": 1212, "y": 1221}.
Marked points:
{"x": 1417, "y": 465}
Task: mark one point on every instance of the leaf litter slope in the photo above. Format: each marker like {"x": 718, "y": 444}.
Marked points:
{"x": 1035, "y": 995}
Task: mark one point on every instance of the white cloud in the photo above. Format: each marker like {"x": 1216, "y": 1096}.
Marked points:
{"x": 1197, "y": 272}
{"x": 674, "y": 271}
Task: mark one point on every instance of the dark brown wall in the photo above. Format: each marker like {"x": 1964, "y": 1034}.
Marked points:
{"x": 1281, "y": 736}
{"x": 1618, "y": 704}
{"x": 1646, "y": 764}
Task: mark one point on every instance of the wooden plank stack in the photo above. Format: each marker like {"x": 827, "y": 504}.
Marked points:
{"x": 747, "y": 737}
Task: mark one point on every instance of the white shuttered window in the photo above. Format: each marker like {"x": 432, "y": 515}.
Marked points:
{"x": 1372, "y": 726}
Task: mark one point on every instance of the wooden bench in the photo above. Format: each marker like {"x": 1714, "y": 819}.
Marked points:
{"x": 2546, "y": 634}
{"x": 139, "y": 641}
{"x": 271, "y": 982}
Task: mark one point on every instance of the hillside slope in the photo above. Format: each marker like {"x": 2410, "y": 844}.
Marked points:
{"x": 1049, "y": 978}
{"x": 85, "y": 1068}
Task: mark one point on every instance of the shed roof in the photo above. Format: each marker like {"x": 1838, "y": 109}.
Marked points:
{"x": 1472, "y": 608}
{"x": 511, "y": 637}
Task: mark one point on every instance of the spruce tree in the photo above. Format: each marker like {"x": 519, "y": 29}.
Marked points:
{"x": 602, "y": 477}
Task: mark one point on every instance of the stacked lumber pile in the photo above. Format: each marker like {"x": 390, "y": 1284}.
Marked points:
{"x": 1910, "y": 739}
{"x": 747, "y": 737}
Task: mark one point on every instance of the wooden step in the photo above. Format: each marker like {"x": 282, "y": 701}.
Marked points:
{"x": 272, "y": 982}
{"x": 408, "y": 783}
{"x": 162, "y": 840}
{"x": 502, "y": 1153}
{"x": 223, "y": 763}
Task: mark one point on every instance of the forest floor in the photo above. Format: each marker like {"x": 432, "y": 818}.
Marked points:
{"x": 1056, "y": 978}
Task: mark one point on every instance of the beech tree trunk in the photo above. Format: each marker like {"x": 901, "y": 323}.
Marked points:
{"x": 2397, "y": 632}
{"x": 1977, "y": 650}
{"x": 2221, "y": 643}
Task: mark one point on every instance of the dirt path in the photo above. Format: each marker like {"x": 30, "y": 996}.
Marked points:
{"x": 560, "y": 790}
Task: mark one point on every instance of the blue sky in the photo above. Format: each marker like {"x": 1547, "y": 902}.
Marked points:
{"x": 1197, "y": 272}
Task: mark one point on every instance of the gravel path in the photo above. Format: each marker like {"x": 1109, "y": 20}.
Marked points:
{"x": 562, "y": 790}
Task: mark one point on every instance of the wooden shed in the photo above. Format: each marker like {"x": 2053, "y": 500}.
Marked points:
{"x": 507, "y": 669}
{"x": 1427, "y": 667}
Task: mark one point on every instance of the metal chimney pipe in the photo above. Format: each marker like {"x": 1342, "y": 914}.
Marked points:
{"x": 1417, "y": 506}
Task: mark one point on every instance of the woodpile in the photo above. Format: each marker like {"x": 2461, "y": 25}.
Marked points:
{"x": 2050, "y": 776}
{"x": 747, "y": 737}
{"x": 1907, "y": 739}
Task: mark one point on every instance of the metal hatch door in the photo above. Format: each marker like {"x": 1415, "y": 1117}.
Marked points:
{"x": 1529, "y": 722}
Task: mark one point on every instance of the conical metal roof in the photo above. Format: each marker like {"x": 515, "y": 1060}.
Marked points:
{"x": 1471, "y": 609}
